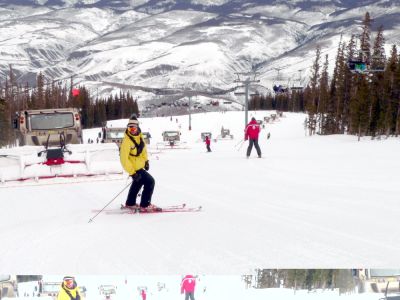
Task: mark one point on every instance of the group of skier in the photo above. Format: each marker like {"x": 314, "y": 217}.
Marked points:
{"x": 134, "y": 160}
{"x": 251, "y": 133}
{"x": 69, "y": 289}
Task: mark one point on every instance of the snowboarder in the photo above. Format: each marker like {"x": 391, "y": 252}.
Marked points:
{"x": 134, "y": 160}
{"x": 69, "y": 289}
{"x": 208, "y": 142}
{"x": 251, "y": 133}
{"x": 188, "y": 285}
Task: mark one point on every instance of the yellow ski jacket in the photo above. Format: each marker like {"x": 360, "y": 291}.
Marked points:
{"x": 131, "y": 160}
{"x": 73, "y": 293}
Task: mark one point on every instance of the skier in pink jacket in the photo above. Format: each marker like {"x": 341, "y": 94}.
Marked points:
{"x": 251, "y": 133}
{"x": 143, "y": 294}
{"x": 187, "y": 286}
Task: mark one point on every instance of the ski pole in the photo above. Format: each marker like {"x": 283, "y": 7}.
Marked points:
{"x": 91, "y": 219}
{"x": 241, "y": 141}
{"x": 240, "y": 145}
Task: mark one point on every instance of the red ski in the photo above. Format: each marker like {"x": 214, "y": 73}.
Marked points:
{"x": 172, "y": 208}
{"x": 162, "y": 210}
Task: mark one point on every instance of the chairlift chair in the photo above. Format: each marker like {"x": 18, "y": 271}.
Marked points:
{"x": 254, "y": 93}
{"x": 377, "y": 65}
{"x": 239, "y": 91}
{"x": 357, "y": 66}
{"x": 204, "y": 134}
{"x": 365, "y": 65}
{"x": 298, "y": 87}
{"x": 278, "y": 87}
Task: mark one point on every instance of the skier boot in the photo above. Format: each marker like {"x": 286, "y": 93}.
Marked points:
{"x": 133, "y": 208}
{"x": 150, "y": 208}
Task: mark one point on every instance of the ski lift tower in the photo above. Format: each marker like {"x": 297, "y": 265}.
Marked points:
{"x": 189, "y": 94}
{"x": 190, "y": 116}
{"x": 246, "y": 79}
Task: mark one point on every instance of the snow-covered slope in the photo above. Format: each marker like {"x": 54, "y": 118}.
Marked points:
{"x": 207, "y": 287}
{"x": 310, "y": 202}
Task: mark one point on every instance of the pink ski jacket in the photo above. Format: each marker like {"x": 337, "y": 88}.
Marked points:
{"x": 188, "y": 284}
{"x": 252, "y": 130}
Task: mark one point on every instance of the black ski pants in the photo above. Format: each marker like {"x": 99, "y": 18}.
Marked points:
{"x": 208, "y": 148}
{"x": 255, "y": 143}
{"x": 189, "y": 295}
{"x": 147, "y": 182}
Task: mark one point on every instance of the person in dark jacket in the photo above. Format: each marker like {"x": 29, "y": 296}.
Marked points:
{"x": 252, "y": 132}
{"x": 208, "y": 142}
{"x": 134, "y": 160}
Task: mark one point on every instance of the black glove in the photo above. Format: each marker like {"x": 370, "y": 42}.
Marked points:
{"x": 136, "y": 177}
{"x": 146, "y": 165}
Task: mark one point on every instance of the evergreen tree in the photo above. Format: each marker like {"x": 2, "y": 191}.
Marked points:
{"x": 8, "y": 108}
{"x": 296, "y": 278}
{"x": 48, "y": 98}
{"x": 378, "y": 93}
{"x": 100, "y": 117}
{"x": 378, "y": 59}
{"x": 324, "y": 99}
{"x": 332, "y": 99}
{"x": 396, "y": 97}
{"x": 136, "y": 108}
{"x": 346, "y": 86}
{"x": 313, "y": 97}
{"x": 40, "y": 92}
{"x": 345, "y": 281}
{"x": 87, "y": 109}
{"x": 26, "y": 97}
{"x": 365, "y": 40}
{"x": 3, "y": 122}
{"x": 110, "y": 108}
{"x": 390, "y": 88}
{"x": 359, "y": 107}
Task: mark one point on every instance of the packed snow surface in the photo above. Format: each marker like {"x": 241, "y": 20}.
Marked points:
{"x": 168, "y": 288}
{"x": 309, "y": 202}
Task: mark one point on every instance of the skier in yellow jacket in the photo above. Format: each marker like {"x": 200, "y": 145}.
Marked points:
{"x": 134, "y": 160}
{"x": 69, "y": 290}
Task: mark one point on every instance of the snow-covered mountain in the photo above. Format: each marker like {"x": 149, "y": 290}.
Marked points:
{"x": 192, "y": 44}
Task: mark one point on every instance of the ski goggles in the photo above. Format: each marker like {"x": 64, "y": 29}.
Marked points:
{"x": 69, "y": 281}
{"x": 132, "y": 128}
